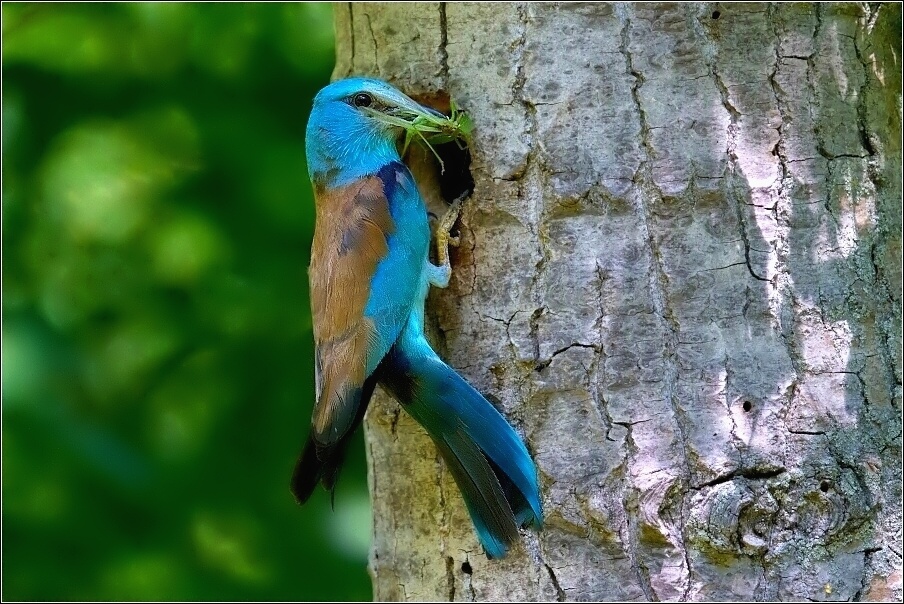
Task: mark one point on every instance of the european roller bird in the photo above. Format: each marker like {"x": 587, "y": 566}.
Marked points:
{"x": 369, "y": 277}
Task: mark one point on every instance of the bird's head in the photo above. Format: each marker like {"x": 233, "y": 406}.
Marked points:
{"x": 354, "y": 127}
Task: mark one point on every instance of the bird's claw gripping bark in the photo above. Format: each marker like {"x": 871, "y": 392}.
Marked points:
{"x": 444, "y": 237}
{"x": 439, "y": 275}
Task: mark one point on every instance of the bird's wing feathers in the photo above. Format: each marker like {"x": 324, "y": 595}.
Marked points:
{"x": 355, "y": 322}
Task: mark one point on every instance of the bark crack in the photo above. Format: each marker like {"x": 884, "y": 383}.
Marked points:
{"x": 749, "y": 474}
{"x": 450, "y": 578}
{"x": 658, "y": 287}
{"x": 872, "y": 144}
{"x": 528, "y": 175}
{"x": 736, "y": 442}
{"x": 599, "y": 401}
{"x": 351, "y": 29}
{"x": 787, "y": 310}
{"x": 733, "y": 113}
{"x": 518, "y": 85}
{"x": 869, "y": 141}
{"x": 444, "y": 527}
{"x": 373, "y": 39}
{"x": 443, "y": 45}
{"x": 560, "y": 593}
{"x": 811, "y": 75}
{"x": 629, "y": 534}
{"x": 732, "y": 129}
{"x": 394, "y": 422}
{"x": 547, "y": 362}
{"x": 867, "y": 567}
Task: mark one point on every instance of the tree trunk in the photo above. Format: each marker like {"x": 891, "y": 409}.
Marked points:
{"x": 680, "y": 276}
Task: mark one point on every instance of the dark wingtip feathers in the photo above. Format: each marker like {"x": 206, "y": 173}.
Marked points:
{"x": 317, "y": 464}
{"x": 307, "y": 473}
{"x": 320, "y": 462}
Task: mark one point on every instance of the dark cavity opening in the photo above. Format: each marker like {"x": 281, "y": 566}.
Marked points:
{"x": 716, "y": 14}
{"x": 747, "y": 406}
{"x": 824, "y": 486}
{"x": 466, "y": 567}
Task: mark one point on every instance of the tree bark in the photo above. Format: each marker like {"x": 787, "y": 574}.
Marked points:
{"x": 680, "y": 276}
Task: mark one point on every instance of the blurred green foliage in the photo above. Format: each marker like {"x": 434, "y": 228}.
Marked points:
{"x": 157, "y": 362}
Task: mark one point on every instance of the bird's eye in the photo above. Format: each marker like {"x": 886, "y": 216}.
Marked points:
{"x": 362, "y": 99}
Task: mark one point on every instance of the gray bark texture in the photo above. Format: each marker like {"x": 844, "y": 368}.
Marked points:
{"x": 680, "y": 276}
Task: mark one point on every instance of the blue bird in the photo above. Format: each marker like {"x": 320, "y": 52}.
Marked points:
{"x": 369, "y": 277}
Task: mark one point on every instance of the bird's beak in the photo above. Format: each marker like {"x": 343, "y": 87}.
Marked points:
{"x": 408, "y": 110}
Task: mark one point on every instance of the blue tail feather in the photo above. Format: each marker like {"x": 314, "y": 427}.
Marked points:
{"x": 493, "y": 435}
{"x": 482, "y": 493}
{"x": 485, "y": 455}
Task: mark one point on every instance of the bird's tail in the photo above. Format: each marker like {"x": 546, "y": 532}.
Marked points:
{"x": 490, "y": 464}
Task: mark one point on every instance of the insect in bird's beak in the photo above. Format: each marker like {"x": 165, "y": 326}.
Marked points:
{"x": 427, "y": 125}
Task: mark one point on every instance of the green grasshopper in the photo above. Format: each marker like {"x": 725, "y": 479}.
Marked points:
{"x": 432, "y": 130}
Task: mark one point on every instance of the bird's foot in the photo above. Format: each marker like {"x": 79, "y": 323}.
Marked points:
{"x": 444, "y": 236}
{"x": 444, "y": 239}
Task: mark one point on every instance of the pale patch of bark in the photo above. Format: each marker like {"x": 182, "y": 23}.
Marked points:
{"x": 680, "y": 276}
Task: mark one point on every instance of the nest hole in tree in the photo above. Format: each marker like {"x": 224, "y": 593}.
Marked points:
{"x": 466, "y": 567}
{"x": 747, "y": 406}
